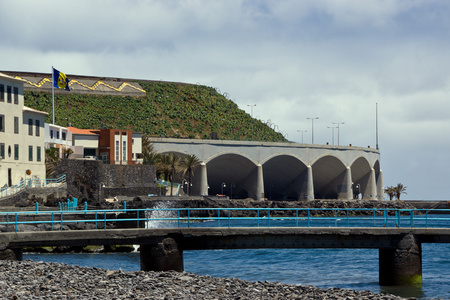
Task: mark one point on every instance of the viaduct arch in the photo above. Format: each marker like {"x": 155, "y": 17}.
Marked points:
{"x": 288, "y": 171}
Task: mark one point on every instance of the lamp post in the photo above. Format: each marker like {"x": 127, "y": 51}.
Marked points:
{"x": 312, "y": 128}
{"x": 302, "y": 131}
{"x": 332, "y": 134}
{"x": 222, "y": 186}
{"x": 338, "y": 129}
{"x": 251, "y": 107}
{"x": 231, "y": 193}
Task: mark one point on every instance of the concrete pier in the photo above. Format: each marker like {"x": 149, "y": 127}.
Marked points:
{"x": 164, "y": 256}
{"x": 401, "y": 265}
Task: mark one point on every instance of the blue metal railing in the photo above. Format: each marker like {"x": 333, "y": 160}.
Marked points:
{"x": 233, "y": 217}
{"x": 31, "y": 183}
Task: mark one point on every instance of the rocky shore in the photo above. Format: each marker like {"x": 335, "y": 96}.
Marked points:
{"x": 39, "y": 280}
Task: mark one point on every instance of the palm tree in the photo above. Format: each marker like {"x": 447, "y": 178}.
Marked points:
{"x": 163, "y": 166}
{"x": 51, "y": 160}
{"x": 149, "y": 156}
{"x": 399, "y": 189}
{"x": 174, "y": 160}
{"x": 390, "y": 191}
{"x": 188, "y": 164}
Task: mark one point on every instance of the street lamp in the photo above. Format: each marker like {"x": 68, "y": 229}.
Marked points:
{"x": 338, "y": 129}
{"x": 302, "y": 131}
{"x": 332, "y": 132}
{"x": 312, "y": 128}
{"x": 251, "y": 106}
{"x": 223, "y": 185}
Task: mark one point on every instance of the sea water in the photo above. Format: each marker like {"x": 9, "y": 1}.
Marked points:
{"x": 345, "y": 268}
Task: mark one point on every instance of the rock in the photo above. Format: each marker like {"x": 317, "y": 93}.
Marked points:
{"x": 39, "y": 280}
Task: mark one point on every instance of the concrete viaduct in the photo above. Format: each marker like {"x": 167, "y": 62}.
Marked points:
{"x": 288, "y": 171}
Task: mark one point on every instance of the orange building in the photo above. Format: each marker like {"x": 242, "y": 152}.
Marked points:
{"x": 113, "y": 146}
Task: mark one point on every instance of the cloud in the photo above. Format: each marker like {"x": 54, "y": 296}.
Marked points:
{"x": 294, "y": 59}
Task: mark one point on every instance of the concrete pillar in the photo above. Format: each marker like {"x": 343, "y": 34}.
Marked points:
{"x": 164, "y": 256}
{"x": 402, "y": 265}
{"x": 380, "y": 186}
{"x": 259, "y": 183}
{"x": 309, "y": 184}
{"x": 346, "y": 192}
{"x": 11, "y": 254}
{"x": 203, "y": 180}
{"x": 371, "y": 189}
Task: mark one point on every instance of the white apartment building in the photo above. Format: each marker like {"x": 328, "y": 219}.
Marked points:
{"x": 22, "y": 153}
{"x": 57, "y": 137}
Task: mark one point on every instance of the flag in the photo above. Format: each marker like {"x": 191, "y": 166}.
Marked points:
{"x": 60, "y": 80}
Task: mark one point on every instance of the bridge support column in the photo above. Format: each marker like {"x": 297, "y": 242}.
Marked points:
{"x": 259, "y": 183}
{"x": 309, "y": 184}
{"x": 11, "y": 254}
{"x": 371, "y": 189}
{"x": 402, "y": 265}
{"x": 164, "y": 256}
{"x": 203, "y": 180}
{"x": 346, "y": 192}
{"x": 380, "y": 186}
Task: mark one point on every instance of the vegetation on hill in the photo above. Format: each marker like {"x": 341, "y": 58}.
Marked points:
{"x": 168, "y": 110}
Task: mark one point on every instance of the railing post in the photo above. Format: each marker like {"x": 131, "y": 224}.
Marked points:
{"x": 61, "y": 221}
{"x": 124, "y": 206}
{"x": 37, "y": 207}
{"x": 268, "y": 217}
{"x": 189, "y": 217}
{"x": 15, "y": 225}
{"x": 308, "y": 217}
{"x": 85, "y": 207}
{"x": 218, "y": 217}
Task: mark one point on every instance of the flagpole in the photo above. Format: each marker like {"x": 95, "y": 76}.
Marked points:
{"x": 53, "y": 96}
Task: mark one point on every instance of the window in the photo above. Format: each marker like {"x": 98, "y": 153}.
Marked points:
{"x": 16, "y": 95}
{"x": 16, "y": 125}
{"x": 2, "y": 150}
{"x": 16, "y": 151}
{"x": 57, "y": 134}
{"x": 2, "y": 93}
{"x": 51, "y": 134}
{"x": 63, "y": 135}
{"x": 2, "y": 123}
{"x": 30, "y": 153}
{"x": 38, "y": 153}
{"x": 117, "y": 150}
{"x": 8, "y": 91}
{"x": 30, "y": 126}
{"x": 38, "y": 124}
{"x": 124, "y": 151}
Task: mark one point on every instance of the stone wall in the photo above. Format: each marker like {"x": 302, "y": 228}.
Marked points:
{"x": 92, "y": 179}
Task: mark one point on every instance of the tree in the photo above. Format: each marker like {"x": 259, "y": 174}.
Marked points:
{"x": 174, "y": 160}
{"x": 149, "y": 156}
{"x": 390, "y": 191}
{"x": 163, "y": 166}
{"x": 188, "y": 164}
{"x": 67, "y": 152}
{"x": 51, "y": 160}
{"x": 400, "y": 189}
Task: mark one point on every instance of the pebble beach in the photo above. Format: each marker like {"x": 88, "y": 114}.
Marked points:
{"x": 40, "y": 280}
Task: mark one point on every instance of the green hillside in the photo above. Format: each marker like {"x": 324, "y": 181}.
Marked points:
{"x": 168, "y": 109}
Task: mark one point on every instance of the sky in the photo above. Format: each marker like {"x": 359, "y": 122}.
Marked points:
{"x": 345, "y": 61}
